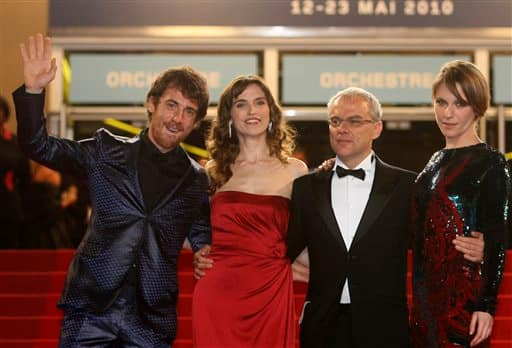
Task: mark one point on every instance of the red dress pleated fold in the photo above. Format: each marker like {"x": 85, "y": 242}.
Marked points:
{"x": 246, "y": 299}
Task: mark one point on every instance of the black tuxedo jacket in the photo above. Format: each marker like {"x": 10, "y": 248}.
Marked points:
{"x": 123, "y": 233}
{"x": 375, "y": 265}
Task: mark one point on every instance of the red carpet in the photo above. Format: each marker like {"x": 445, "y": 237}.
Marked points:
{"x": 31, "y": 281}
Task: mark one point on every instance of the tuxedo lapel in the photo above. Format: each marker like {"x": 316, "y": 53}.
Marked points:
{"x": 131, "y": 154}
{"x": 382, "y": 190}
{"x": 322, "y": 192}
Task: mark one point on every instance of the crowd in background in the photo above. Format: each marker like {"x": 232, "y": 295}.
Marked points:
{"x": 39, "y": 207}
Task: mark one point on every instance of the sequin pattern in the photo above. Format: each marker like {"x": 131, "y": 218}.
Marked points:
{"x": 459, "y": 191}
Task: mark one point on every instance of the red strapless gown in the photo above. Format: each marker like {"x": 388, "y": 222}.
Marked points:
{"x": 246, "y": 299}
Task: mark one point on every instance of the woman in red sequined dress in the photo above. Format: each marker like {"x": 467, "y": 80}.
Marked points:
{"x": 246, "y": 298}
{"x": 465, "y": 186}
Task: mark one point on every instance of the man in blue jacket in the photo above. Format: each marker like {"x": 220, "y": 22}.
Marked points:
{"x": 147, "y": 196}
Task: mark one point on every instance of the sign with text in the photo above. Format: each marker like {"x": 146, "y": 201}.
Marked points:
{"x": 502, "y": 79}
{"x": 73, "y": 14}
{"x": 126, "y": 78}
{"x": 309, "y": 79}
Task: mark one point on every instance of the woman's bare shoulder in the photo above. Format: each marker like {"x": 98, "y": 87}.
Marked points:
{"x": 297, "y": 167}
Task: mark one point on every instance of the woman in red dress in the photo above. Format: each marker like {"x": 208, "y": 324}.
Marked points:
{"x": 246, "y": 298}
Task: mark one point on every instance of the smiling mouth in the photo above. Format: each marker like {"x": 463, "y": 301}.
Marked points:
{"x": 173, "y": 129}
{"x": 252, "y": 121}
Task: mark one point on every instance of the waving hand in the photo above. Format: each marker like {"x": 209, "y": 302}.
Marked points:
{"x": 39, "y": 67}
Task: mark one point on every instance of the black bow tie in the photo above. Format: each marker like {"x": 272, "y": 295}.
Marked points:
{"x": 358, "y": 173}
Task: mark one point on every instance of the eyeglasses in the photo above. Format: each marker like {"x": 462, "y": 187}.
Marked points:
{"x": 351, "y": 122}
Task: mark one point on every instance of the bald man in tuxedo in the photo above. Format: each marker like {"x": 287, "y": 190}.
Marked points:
{"x": 354, "y": 222}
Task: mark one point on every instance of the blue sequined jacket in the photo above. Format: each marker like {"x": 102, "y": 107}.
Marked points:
{"x": 121, "y": 234}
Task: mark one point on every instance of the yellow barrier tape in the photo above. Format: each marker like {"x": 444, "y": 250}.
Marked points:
{"x": 136, "y": 130}
{"x": 508, "y": 156}
{"x": 122, "y": 126}
{"x": 195, "y": 150}
{"x": 66, "y": 77}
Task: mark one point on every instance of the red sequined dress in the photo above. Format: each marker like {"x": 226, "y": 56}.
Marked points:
{"x": 246, "y": 299}
{"x": 460, "y": 190}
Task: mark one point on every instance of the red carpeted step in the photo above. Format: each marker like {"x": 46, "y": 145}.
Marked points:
{"x": 300, "y": 287}
{"x": 186, "y": 282}
{"x": 44, "y": 260}
{"x": 51, "y": 282}
{"x": 40, "y": 260}
{"x": 506, "y": 282}
{"x": 26, "y": 305}
{"x": 504, "y": 305}
{"x": 35, "y": 260}
{"x": 181, "y": 343}
{"x": 52, "y": 343}
{"x": 31, "y": 282}
{"x": 501, "y": 343}
{"x": 299, "y": 303}
{"x": 29, "y": 343}
{"x": 58, "y": 260}
{"x": 48, "y": 327}
{"x": 19, "y": 327}
{"x": 185, "y": 260}
{"x": 502, "y": 328}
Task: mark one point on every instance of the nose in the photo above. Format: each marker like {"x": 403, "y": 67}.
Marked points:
{"x": 343, "y": 127}
{"x": 177, "y": 116}
{"x": 448, "y": 111}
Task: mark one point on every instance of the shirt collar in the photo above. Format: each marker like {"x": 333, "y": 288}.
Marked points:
{"x": 368, "y": 164}
{"x": 149, "y": 149}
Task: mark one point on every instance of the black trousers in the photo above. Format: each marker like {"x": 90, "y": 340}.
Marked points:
{"x": 341, "y": 329}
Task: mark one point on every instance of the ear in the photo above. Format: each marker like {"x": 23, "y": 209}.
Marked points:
{"x": 150, "y": 105}
{"x": 378, "y": 126}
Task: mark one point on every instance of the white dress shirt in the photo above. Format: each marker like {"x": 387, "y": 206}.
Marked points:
{"x": 349, "y": 196}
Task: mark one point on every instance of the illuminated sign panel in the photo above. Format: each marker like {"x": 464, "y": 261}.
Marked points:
{"x": 502, "y": 79}
{"x": 126, "y": 78}
{"x": 395, "y": 79}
